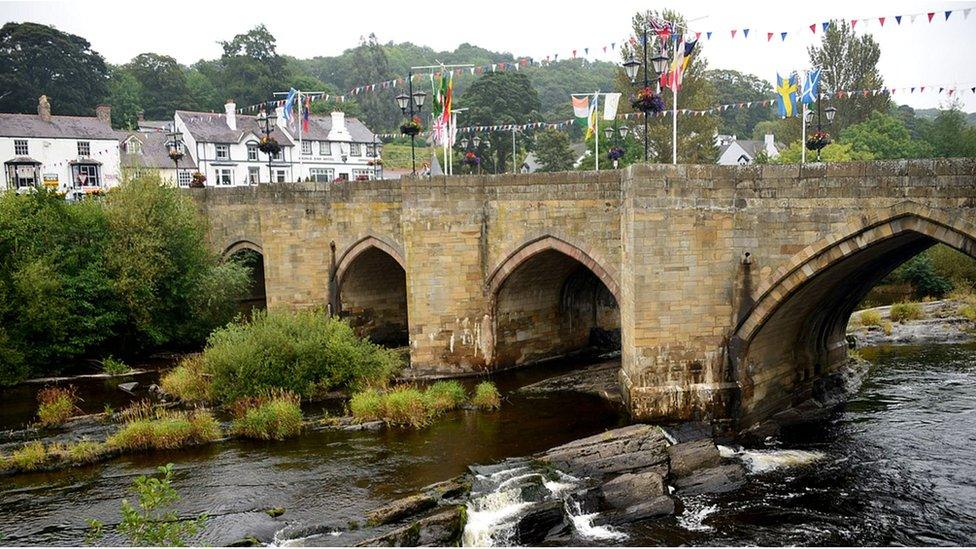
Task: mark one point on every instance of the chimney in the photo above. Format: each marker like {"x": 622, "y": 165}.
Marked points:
{"x": 769, "y": 143}
{"x": 141, "y": 116}
{"x": 339, "y": 131}
{"x": 231, "y": 109}
{"x": 104, "y": 114}
{"x": 44, "y": 109}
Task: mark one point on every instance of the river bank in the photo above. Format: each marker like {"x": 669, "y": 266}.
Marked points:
{"x": 942, "y": 322}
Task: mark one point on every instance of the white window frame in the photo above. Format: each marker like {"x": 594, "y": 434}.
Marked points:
{"x": 307, "y": 148}
{"x": 321, "y": 175}
{"x": 21, "y": 148}
{"x": 91, "y": 170}
{"x": 219, "y": 178}
{"x": 183, "y": 178}
{"x": 218, "y": 147}
{"x": 252, "y": 152}
{"x": 84, "y": 148}
{"x": 355, "y": 150}
{"x": 253, "y": 175}
{"x": 325, "y": 148}
{"x": 280, "y": 175}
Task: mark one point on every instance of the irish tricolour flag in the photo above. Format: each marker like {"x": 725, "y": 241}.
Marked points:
{"x": 585, "y": 114}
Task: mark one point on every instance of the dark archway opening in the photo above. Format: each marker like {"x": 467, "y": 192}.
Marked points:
{"x": 373, "y": 297}
{"x": 255, "y": 297}
{"x": 552, "y": 305}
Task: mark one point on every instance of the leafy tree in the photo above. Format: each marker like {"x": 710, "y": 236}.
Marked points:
{"x": 163, "y": 82}
{"x": 558, "y": 80}
{"x": 203, "y": 95}
{"x": 39, "y": 60}
{"x": 500, "y": 98}
{"x": 125, "y": 96}
{"x": 835, "y": 152}
{"x": 553, "y": 152}
{"x": 924, "y": 280}
{"x": 696, "y": 134}
{"x": 950, "y": 136}
{"x": 785, "y": 130}
{"x": 154, "y": 522}
{"x": 884, "y": 136}
{"x": 369, "y": 65}
{"x": 250, "y": 69}
{"x": 849, "y": 62}
{"x": 735, "y": 87}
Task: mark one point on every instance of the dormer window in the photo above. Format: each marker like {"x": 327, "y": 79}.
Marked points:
{"x": 223, "y": 151}
{"x": 84, "y": 148}
{"x": 133, "y": 146}
{"x": 252, "y": 152}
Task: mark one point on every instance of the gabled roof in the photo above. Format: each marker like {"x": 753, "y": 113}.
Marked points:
{"x": 211, "y": 127}
{"x": 320, "y": 126}
{"x": 60, "y": 127}
{"x": 154, "y": 153}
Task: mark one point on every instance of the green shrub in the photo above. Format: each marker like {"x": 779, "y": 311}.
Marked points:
{"x": 902, "y": 312}
{"x": 84, "y": 451}
{"x": 486, "y": 396}
{"x": 154, "y": 522}
{"x": 167, "y": 430}
{"x": 188, "y": 381}
{"x": 870, "y": 318}
{"x": 367, "y": 405}
{"x": 444, "y": 396}
{"x": 305, "y": 352}
{"x": 406, "y": 406}
{"x": 920, "y": 272}
{"x": 29, "y": 457}
{"x": 114, "y": 366}
{"x": 56, "y": 405}
{"x": 274, "y": 417}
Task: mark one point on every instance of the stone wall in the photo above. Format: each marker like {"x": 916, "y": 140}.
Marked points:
{"x": 733, "y": 282}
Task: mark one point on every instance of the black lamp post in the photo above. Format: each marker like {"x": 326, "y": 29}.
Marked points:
{"x": 268, "y": 124}
{"x": 659, "y": 63}
{"x": 405, "y": 104}
{"x": 609, "y": 132}
{"x": 176, "y": 151}
{"x": 830, "y": 113}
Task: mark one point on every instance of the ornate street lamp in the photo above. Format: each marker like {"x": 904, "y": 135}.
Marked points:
{"x": 624, "y": 130}
{"x": 175, "y": 149}
{"x": 646, "y": 101}
{"x": 476, "y": 141}
{"x": 411, "y": 127}
{"x": 820, "y": 139}
{"x": 268, "y": 144}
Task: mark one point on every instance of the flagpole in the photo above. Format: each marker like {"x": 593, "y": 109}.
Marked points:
{"x": 301, "y": 163}
{"x": 674, "y": 123}
{"x": 596, "y": 127}
{"x": 803, "y": 138}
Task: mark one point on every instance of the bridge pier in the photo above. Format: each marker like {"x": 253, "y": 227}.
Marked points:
{"x": 732, "y": 285}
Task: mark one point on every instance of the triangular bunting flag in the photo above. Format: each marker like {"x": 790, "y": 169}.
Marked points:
{"x": 947, "y": 14}
{"x": 733, "y": 33}
{"x": 782, "y": 36}
{"x": 745, "y": 33}
{"x": 898, "y": 19}
{"x": 931, "y": 14}
{"x": 881, "y": 20}
{"x": 697, "y": 35}
{"x": 825, "y": 24}
{"x": 853, "y": 23}
{"x": 813, "y": 28}
{"x": 769, "y": 36}
{"x": 708, "y": 35}
{"x": 965, "y": 13}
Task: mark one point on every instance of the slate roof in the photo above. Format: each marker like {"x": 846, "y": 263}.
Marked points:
{"x": 320, "y": 126}
{"x": 154, "y": 153}
{"x": 211, "y": 127}
{"x": 60, "y": 127}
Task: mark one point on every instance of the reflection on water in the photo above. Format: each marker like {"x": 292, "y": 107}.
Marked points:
{"x": 895, "y": 468}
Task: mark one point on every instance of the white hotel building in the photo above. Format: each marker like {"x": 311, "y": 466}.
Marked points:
{"x": 224, "y": 148}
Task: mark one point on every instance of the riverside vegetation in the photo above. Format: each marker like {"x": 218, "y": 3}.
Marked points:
{"x": 126, "y": 274}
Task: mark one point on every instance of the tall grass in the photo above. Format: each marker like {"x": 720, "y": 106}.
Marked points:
{"x": 188, "y": 381}
{"x": 166, "y": 430}
{"x": 870, "y": 318}
{"x": 304, "y": 352}
{"x": 114, "y": 366}
{"x": 903, "y": 312}
{"x": 444, "y": 396}
{"x": 276, "y": 416}
{"x": 408, "y": 406}
{"x": 486, "y": 396}
{"x": 56, "y": 405}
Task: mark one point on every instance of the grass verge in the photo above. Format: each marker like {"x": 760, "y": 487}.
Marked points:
{"x": 486, "y": 396}
{"x": 274, "y": 417}
{"x": 408, "y": 406}
{"x": 188, "y": 381}
{"x": 166, "y": 430}
{"x": 56, "y": 405}
{"x": 904, "y": 312}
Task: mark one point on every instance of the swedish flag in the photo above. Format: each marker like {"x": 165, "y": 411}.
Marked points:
{"x": 786, "y": 89}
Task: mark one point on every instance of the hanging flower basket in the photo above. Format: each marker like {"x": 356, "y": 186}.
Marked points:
{"x": 175, "y": 156}
{"x": 648, "y": 101}
{"x": 269, "y": 145}
{"x": 818, "y": 140}
{"x": 411, "y": 127}
{"x": 471, "y": 159}
{"x": 198, "y": 180}
{"x": 615, "y": 153}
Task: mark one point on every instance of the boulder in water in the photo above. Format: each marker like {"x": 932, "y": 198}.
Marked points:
{"x": 635, "y": 448}
{"x": 724, "y": 478}
{"x": 401, "y": 508}
{"x": 688, "y": 457}
{"x": 441, "y": 528}
{"x": 129, "y": 387}
{"x": 538, "y": 521}
{"x": 632, "y": 489}
{"x": 656, "y": 507}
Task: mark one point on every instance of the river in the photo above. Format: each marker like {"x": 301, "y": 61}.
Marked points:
{"x": 895, "y": 467}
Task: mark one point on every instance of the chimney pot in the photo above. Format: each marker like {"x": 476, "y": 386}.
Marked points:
{"x": 104, "y": 114}
{"x": 44, "y": 108}
{"x": 230, "y": 109}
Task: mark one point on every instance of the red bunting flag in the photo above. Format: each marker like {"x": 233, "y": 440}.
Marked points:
{"x": 769, "y": 36}
{"x": 697, "y": 35}
{"x": 813, "y": 28}
{"x": 733, "y": 33}
{"x": 931, "y": 14}
{"x": 881, "y": 19}
{"x": 853, "y": 23}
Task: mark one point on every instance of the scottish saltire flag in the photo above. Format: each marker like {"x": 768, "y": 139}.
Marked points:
{"x": 290, "y": 104}
{"x": 811, "y": 86}
{"x": 786, "y": 89}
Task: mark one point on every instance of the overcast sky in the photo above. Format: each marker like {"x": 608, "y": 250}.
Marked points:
{"x": 940, "y": 53}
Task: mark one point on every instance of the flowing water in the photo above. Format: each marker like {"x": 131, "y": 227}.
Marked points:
{"x": 896, "y": 467}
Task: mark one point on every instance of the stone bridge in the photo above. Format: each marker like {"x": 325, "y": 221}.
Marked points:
{"x": 730, "y": 286}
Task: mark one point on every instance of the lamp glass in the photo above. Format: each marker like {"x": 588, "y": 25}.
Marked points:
{"x": 809, "y": 116}
{"x": 631, "y": 67}
{"x": 831, "y": 113}
{"x": 419, "y": 97}
{"x": 608, "y": 132}
{"x": 464, "y": 142}
{"x": 476, "y": 141}
{"x": 624, "y": 130}
{"x": 660, "y": 63}
{"x": 402, "y": 100}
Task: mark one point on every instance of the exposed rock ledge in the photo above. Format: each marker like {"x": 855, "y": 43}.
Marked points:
{"x": 941, "y": 323}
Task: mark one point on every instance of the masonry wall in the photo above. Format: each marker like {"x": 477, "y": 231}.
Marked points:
{"x": 373, "y": 298}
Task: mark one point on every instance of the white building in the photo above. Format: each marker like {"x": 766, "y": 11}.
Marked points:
{"x": 73, "y": 154}
{"x": 224, "y": 148}
{"x": 732, "y": 151}
{"x": 150, "y": 151}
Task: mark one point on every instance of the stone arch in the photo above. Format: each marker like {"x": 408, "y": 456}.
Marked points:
{"x": 543, "y": 243}
{"x": 370, "y": 291}
{"x": 789, "y": 345}
{"x": 256, "y": 297}
{"x": 550, "y": 298}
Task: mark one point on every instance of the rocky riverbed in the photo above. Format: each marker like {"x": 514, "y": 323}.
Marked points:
{"x": 941, "y": 323}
